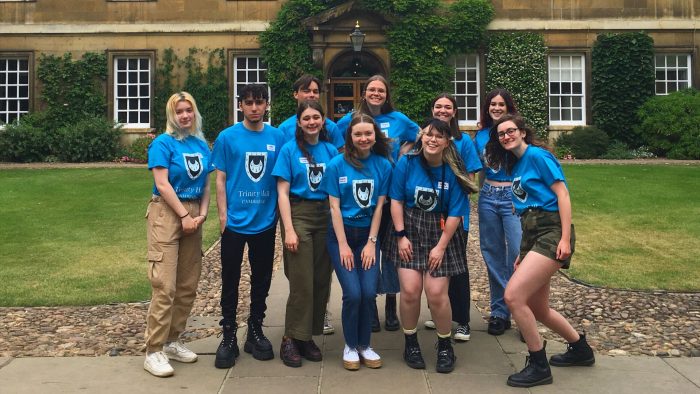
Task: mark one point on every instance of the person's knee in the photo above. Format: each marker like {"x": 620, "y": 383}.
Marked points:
{"x": 513, "y": 300}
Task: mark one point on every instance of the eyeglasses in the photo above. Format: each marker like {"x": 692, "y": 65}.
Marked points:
{"x": 438, "y": 137}
{"x": 509, "y": 132}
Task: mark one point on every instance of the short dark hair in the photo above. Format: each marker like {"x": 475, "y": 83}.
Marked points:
{"x": 254, "y": 91}
{"x": 305, "y": 81}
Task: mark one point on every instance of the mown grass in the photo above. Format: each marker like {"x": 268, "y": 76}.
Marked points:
{"x": 75, "y": 236}
{"x": 637, "y": 226}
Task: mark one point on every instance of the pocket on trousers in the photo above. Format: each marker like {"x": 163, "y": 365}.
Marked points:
{"x": 154, "y": 259}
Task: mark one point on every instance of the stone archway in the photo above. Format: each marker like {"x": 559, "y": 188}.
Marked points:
{"x": 346, "y": 75}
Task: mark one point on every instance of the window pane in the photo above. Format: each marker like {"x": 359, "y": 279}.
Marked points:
{"x": 554, "y": 114}
{"x": 577, "y": 114}
{"x": 660, "y": 88}
{"x": 577, "y": 88}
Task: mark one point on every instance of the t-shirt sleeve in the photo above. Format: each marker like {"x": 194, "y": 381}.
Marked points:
{"x": 218, "y": 155}
{"x": 458, "y": 200}
{"x": 384, "y": 177}
{"x": 343, "y": 124}
{"x": 470, "y": 155}
{"x": 549, "y": 169}
{"x": 334, "y": 134}
{"x": 411, "y": 130}
{"x": 329, "y": 183}
{"x": 398, "y": 180}
{"x": 207, "y": 152}
{"x": 159, "y": 154}
{"x": 282, "y": 167}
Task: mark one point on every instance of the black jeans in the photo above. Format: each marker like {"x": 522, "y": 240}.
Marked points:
{"x": 261, "y": 253}
{"x": 460, "y": 296}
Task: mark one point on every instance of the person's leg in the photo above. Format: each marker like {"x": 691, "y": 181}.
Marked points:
{"x": 458, "y": 293}
{"x": 436, "y": 294}
{"x": 368, "y": 284}
{"x": 261, "y": 253}
{"x": 539, "y": 304}
{"x": 232, "y": 246}
{"x": 352, "y": 297}
{"x": 323, "y": 271}
{"x": 299, "y": 270}
{"x": 493, "y": 249}
{"x": 411, "y": 290}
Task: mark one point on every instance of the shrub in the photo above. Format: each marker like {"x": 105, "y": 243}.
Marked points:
{"x": 25, "y": 140}
{"x": 620, "y": 151}
{"x": 93, "y": 138}
{"x": 585, "y": 142}
{"x": 137, "y": 152}
{"x": 670, "y": 125}
{"x": 622, "y": 78}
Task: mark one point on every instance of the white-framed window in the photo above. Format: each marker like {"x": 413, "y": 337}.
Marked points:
{"x": 14, "y": 88}
{"x": 132, "y": 91}
{"x": 672, "y": 72}
{"x": 247, "y": 70}
{"x": 567, "y": 98}
{"x": 466, "y": 88}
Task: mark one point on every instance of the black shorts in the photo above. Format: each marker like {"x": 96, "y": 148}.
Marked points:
{"x": 542, "y": 233}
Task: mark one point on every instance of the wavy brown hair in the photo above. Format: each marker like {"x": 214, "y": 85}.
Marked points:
{"x": 382, "y": 144}
{"x": 486, "y": 120}
{"x": 496, "y": 155}
{"x": 299, "y": 133}
{"x": 387, "y": 106}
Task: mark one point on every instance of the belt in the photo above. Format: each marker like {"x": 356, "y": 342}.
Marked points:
{"x": 293, "y": 198}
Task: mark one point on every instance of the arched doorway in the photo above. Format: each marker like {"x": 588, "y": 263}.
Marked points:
{"x": 347, "y": 75}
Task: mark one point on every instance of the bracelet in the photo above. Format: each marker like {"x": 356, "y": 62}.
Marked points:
{"x": 185, "y": 215}
{"x": 400, "y": 234}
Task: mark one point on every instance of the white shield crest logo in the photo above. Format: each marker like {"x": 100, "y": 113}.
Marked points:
{"x": 193, "y": 164}
{"x": 255, "y": 163}
{"x": 518, "y": 190}
{"x": 314, "y": 173}
{"x": 425, "y": 198}
{"x": 362, "y": 190}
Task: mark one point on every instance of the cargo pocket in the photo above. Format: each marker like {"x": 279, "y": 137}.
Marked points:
{"x": 154, "y": 260}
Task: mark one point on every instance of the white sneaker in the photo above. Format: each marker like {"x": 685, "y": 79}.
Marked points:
{"x": 369, "y": 357}
{"x": 178, "y": 352}
{"x": 429, "y": 324}
{"x": 157, "y": 364}
{"x": 327, "y": 326}
{"x": 351, "y": 359}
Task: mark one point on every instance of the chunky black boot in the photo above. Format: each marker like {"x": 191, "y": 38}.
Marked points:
{"x": 391, "y": 321}
{"x": 577, "y": 353}
{"x": 411, "y": 352}
{"x": 445, "y": 356}
{"x": 376, "y": 327}
{"x": 256, "y": 342}
{"x": 535, "y": 373}
{"x": 228, "y": 348}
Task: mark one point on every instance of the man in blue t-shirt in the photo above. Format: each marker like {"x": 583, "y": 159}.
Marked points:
{"x": 246, "y": 198}
{"x": 308, "y": 88}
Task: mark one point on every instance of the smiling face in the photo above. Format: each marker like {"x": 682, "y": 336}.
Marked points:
{"x": 375, "y": 94}
{"x": 497, "y": 108}
{"x": 184, "y": 114}
{"x": 510, "y": 136}
{"x": 311, "y": 122}
{"x": 363, "y": 138}
{"x": 444, "y": 109}
{"x": 434, "y": 142}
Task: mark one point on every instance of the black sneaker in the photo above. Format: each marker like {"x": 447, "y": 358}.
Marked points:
{"x": 535, "y": 373}
{"x": 228, "y": 351}
{"x": 445, "y": 356}
{"x": 498, "y": 325}
{"x": 463, "y": 333}
{"x": 411, "y": 352}
{"x": 257, "y": 343}
{"x": 577, "y": 354}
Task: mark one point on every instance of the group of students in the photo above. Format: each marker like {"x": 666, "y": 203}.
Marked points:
{"x": 379, "y": 200}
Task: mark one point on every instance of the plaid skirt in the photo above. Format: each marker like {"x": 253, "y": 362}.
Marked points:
{"x": 423, "y": 230}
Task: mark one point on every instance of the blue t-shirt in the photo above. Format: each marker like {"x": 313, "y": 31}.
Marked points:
{"x": 248, "y": 157}
{"x": 395, "y": 125}
{"x": 188, "y": 162}
{"x": 422, "y": 188}
{"x": 497, "y": 175}
{"x": 357, "y": 189}
{"x": 289, "y": 128}
{"x": 533, "y": 175}
{"x": 304, "y": 178}
{"x": 467, "y": 151}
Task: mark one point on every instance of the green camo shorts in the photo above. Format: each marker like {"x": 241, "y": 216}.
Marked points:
{"x": 542, "y": 233}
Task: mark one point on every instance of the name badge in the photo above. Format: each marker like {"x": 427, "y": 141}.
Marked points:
{"x": 384, "y": 125}
{"x": 271, "y": 148}
{"x": 445, "y": 187}
{"x": 303, "y": 160}
{"x": 343, "y": 179}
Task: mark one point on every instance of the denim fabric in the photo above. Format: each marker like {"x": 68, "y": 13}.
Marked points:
{"x": 499, "y": 235}
{"x": 359, "y": 286}
{"x": 389, "y": 276}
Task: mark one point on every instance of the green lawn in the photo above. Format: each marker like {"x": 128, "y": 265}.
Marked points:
{"x": 76, "y": 236}
{"x": 637, "y": 226}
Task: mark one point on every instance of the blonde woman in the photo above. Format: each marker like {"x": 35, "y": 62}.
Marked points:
{"x": 179, "y": 161}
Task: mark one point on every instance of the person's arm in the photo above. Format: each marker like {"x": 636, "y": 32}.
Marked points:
{"x": 369, "y": 252}
{"x": 291, "y": 241}
{"x": 160, "y": 176}
{"x": 346, "y": 257}
{"x": 204, "y": 203}
{"x": 564, "y": 203}
{"x": 405, "y": 148}
{"x": 221, "y": 206}
{"x": 438, "y": 252}
{"x": 404, "y": 244}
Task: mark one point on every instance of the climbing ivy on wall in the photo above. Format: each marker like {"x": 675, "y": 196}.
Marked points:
{"x": 420, "y": 41}
{"x": 518, "y": 62}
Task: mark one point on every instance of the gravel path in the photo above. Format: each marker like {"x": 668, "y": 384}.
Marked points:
{"x": 617, "y": 322}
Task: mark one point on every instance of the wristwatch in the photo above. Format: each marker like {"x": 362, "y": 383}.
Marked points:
{"x": 373, "y": 239}
{"x": 400, "y": 234}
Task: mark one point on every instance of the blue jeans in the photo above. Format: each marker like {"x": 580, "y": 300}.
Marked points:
{"x": 389, "y": 276}
{"x": 499, "y": 235}
{"x": 359, "y": 286}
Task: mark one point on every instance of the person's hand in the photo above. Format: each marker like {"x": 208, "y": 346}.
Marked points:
{"x": 189, "y": 226}
{"x": 563, "y": 250}
{"x": 347, "y": 259}
{"x": 517, "y": 263}
{"x": 199, "y": 220}
{"x": 369, "y": 254}
{"x": 291, "y": 241}
{"x": 405, "y": 249}
{"x": 435, "y": 258}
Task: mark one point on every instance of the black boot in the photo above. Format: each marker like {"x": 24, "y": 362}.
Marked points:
{"x": 577, "y": 353}
{"x": 376, "y": 327}
{"x": 445, "y": 356}
{"x": 228, "y": 348}
{"x": 256, "y": 342}
{"x": 391, "y": 321}
{"x": 535, "y": 373}
{"x": 411, "y": 352}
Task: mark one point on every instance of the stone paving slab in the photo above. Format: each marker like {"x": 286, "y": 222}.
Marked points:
{"x": 688, "y": 367}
